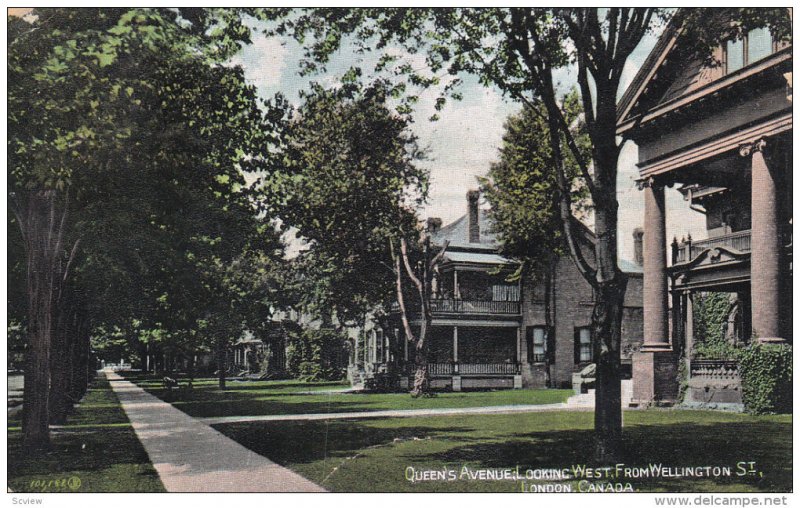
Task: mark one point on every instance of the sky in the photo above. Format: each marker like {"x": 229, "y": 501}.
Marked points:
{"x": 464, "y": 142}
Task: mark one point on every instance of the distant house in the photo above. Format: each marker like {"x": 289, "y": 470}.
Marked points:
{"x": 723, "y": 134}
{"x": 491, "y": 333}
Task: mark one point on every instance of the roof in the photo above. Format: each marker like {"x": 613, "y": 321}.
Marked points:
{"x": 646, "y": 72}
{"x": 477, "y": 257}
{"x": 458, "y": 233}
{"x": 629, "y": 266}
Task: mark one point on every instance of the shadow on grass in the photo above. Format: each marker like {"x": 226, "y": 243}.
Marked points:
{"x": 768, "y": 444}
{"x": 673, "y": 439}
{"x": 299, "y": 442}
{"x": 96, "y": 446}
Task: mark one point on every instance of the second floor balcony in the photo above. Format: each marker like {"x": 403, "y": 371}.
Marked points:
{"x": 460, "y": 306}
{"x": 687, "y": 250}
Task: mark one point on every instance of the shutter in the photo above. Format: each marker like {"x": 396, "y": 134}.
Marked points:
{"x": 551, "y": 345}
{"x": 529, "y": 343}
{"x": 577, "y": 346}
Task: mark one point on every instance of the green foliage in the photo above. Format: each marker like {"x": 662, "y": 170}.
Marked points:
{"x": 316, "y": 354}
{"x": 146, "y": 138}
{"x": 766, "y": 372}
{"x": 711, "y": 312}
{"x": 349, "y": 182}
{"x": 523, "y": 191}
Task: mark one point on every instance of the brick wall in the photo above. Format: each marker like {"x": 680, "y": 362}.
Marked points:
{"x": 573, "y": 308}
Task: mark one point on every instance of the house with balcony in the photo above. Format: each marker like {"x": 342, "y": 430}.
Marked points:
{"x": 723, "y": 135}
{"x": 490, "y": 333}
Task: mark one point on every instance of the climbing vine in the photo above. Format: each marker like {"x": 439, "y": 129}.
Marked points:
{"x": 711, "y": 312}
{"x": 766, "y": 372}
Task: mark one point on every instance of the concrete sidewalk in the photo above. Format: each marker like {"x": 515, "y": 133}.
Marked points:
{"x": 190, "y": 456}
{"x": 399, "y": 413}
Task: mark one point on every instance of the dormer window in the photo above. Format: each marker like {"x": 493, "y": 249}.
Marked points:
{"x": 757, "y": 44}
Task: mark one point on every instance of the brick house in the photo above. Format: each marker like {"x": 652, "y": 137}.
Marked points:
{"x": 491, "y": 333}
{"x": 723, "y": 135}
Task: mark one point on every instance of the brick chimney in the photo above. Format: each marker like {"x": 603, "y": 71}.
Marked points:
{"x": 434, "y": 224}
{"x": 473, "y": 216}
{"x": 638, "y": 256}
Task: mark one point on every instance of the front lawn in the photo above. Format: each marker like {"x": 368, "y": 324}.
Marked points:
{"x": 96, "y": 451}
{"x": 249, "y": 398}
{"x": 372, "y": 455}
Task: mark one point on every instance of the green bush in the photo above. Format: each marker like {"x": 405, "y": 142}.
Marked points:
{"x": 766, "y": 372}
{"x": 317, "y": 355}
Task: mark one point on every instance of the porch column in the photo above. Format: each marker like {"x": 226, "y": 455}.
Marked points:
{"x": 765, "y": 246}
{"x": 689, "y": 328}
{"x": 655, "y": 365}
{"x": 656, "y": 333}
{"x": 455, "y": 344}
{"x": 456, "y": 294}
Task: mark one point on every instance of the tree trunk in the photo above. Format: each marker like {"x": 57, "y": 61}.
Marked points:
{"x": 190, "y": 368}
{"x": 41, "y": 225}
{"x": 607, "y": 323}
{"x": 422, "y": 383}
{"x": 80, "y": 365}
{"x": 222, "y": 354}
{"x": 60, "y": 368}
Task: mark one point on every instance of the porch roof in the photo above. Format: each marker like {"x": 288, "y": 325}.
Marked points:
{"x": 484, "y": 258}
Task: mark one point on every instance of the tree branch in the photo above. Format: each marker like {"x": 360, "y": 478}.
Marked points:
{"x": 407, "y": 264}
{"x": 399, "y": 287}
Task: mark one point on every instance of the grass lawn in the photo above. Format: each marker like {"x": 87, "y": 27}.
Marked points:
{"x": 372, "y": 455}
{"x": 97, "y": 451}
{"x": 247, "y": 398}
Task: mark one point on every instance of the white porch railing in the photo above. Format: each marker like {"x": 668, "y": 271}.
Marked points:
{"x": 471, "y": 369}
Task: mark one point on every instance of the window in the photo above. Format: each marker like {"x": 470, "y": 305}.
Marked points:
{"x": 583, "y": 344}
{"x": 757, "y": 44}
{"x": 540, "y": 346}
{"x": 379, "y": 346}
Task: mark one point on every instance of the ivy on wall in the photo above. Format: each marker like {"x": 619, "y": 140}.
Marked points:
{"x": 766, "y": 372}
{"x": 711, "y": 311}
{"x": 765, "y": 369}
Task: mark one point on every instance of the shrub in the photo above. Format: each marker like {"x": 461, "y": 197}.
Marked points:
{"x": 766, "y": 372}
{"x": 317, "y": 355}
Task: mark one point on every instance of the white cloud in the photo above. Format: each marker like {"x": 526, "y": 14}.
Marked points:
{"x": 463, "y": 144}
{"x": 263, "y": 61}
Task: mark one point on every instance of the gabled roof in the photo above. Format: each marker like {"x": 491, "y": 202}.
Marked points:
{"x": 646, "y": 72}
{"x": 672, "y": 79}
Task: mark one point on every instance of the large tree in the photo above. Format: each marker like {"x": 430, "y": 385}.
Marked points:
{"x": 520, "y": 50}
{"x": 127, "y": 146}
{"x": 352, "y": 187}
{"x": 523, "y": 191}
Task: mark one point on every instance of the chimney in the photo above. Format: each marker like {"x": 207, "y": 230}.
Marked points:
{"x": 473, "y": 216}
{"x": 638, "y": 256}
{"x": 434, "y": 224}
